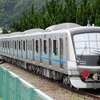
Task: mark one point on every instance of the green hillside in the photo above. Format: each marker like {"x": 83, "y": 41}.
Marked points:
{"x": 13, "y": 9}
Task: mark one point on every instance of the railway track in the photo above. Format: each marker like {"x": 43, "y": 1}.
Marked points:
{"x": 84, "y": 93}
{"x": 87, "y": 94}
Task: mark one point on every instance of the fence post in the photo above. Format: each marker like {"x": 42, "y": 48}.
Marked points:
{"x": 16, "y": 88}
{"x": 31, "y": 93}
{"x": 7, "y": 84}
{"x": 1, "y": 82}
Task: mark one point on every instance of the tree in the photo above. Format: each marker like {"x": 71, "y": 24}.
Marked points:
{"x": 96, "y": 11}
{"x": 82, "y": 13}
{"x": 70, "y": 11}
{"x": 5, "y": 31}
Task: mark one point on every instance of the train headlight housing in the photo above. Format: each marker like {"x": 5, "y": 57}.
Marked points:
{"x": 85, "y": 74}
{"x": 95, "y": 76}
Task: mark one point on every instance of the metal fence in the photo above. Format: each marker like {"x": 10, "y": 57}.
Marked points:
{"x": 14, "y": 88}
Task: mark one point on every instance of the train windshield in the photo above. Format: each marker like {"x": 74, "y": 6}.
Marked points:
{"x": 87, "y": 48}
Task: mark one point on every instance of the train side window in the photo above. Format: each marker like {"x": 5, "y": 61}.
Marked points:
{"x": 8, "y": 44}
{"x": 33, "y": 45}
{"x": 55, "y": 47}
{"x": 24, "y": 45}
{"x": 15, "y": 45}
{"x": 61, "y": 46}
{"x": 30, "y": 44}
{"x": 45, "y": 46}
{"x": 37, "y": 46}
{"x": 33, "y": 50}
{"x": 19, "y": 45}
{"x": 5, "y": 45}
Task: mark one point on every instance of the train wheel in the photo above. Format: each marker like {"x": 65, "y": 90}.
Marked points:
{"x": 65, "y": 79}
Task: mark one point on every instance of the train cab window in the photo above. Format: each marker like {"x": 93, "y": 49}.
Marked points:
{"x": 55, "y": 47}
{"x": 24, "y": 45}
{"x": 37, "y": 46}
{"x": 45, "y": 46}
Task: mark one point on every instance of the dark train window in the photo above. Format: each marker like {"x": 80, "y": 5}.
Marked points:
{"x": 19, "y": 45}
{"x": 45, "y": 46}
{"x": 55, "y": 47}
{"x": 5, "y": 44}
{"x": 8, "y": 44}
{"x": 37, "y": 46}
{"x": 24, "y": 45}
{"x": 33, "y": 45}
{"x": 15, "y": 45}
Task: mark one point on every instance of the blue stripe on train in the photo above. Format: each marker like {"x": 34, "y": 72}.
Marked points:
{"x": 42, "y": 57}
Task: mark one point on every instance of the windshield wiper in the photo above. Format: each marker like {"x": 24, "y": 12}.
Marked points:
{"x": 96, "y": 52}
{"x": 78, "y": 58}
{"x": 85, "y": 47}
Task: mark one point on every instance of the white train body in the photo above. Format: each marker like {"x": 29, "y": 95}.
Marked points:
{"x": 68, "y": 54}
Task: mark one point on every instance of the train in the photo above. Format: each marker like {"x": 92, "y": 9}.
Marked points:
{"x": 67, "y": 52}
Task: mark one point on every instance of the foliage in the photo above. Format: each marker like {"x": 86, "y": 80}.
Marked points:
{"x": 52, "y": 12}
{"x": 5, "y": 31}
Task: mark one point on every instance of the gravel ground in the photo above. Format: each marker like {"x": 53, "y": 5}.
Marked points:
{"x": 50, "y": 88}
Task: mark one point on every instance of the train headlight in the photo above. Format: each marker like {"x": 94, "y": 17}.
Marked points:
{"x": 95, "y": 76}
{"x": 85, "y": 74}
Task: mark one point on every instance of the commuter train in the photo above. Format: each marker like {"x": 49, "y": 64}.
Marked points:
{"x": 67, "y": 52}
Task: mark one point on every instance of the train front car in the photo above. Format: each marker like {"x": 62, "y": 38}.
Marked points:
{"x": 86, "y": 44}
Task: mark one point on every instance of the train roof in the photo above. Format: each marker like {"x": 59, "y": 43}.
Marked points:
{"x": 36, "y": 30}
{"x": 62, "y": 26}
{"x": 84, "y": 29}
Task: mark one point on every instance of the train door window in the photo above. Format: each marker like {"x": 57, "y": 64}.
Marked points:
{"x": 55, "y": 47}
{"x": 33, "y": 50}
{"x": 5, "y": 44}
{"x": 45, "y": 46}
{"x": 15, "y": 45}
{"x": 19, "y": 45}
{"x": 21, "y": 48}
{"x": 61, "y": 52}
{"x": 26, "y": 49}
{"x": 24, "y": 45}
{"x": 50, "y": 51}
{"x": 28, "y": 45}
{"x": 37, "y": 46}
{"x": 31, "y": 45}
{"x": 8, "y": 44}
{"x": 40, "y": 50}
